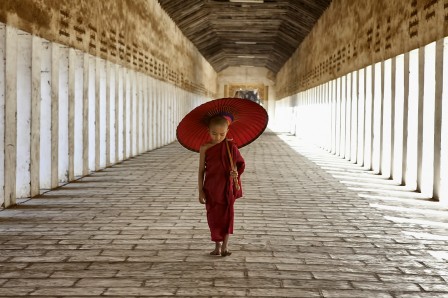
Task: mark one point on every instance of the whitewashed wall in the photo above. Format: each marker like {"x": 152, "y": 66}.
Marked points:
{"x": 390, "y": 117}
{"x": 75, "y": 114}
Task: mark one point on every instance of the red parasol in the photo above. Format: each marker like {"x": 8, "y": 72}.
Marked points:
{"x": 249, "y": 121}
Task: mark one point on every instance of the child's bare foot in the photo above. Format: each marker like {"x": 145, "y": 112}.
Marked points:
{"x": 225, "y": 253}
{"x": 217, "y": 250}
{"x": 224, "y": 247}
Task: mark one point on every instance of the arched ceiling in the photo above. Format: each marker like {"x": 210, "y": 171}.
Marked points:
{"x": 245, "y": 32}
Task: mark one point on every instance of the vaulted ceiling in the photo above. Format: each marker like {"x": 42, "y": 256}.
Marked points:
{"x": 263, "y": 33}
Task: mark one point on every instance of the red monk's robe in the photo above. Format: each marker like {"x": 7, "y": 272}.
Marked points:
{"x": 219, "y": 189}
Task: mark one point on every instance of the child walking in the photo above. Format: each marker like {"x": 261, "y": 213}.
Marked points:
{"x": 219, "y": 182}
{"x": 204, "y": 130}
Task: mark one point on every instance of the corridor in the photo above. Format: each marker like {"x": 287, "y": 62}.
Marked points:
{"x": 346, "y": 192}
{"x": 136, "y": 229}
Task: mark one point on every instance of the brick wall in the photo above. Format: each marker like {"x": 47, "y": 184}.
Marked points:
{"x": 352, "y": 34}
{"x": 137, "y": 34}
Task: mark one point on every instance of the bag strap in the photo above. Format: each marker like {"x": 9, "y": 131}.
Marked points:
{"x": 235, "y": 180}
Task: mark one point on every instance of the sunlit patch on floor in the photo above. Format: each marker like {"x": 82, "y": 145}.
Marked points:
{"x": 399, "y": 204}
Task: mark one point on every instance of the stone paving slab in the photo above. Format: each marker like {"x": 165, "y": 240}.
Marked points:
{"x": 136, "y": 229}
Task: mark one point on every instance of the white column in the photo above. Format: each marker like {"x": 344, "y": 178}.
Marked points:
{"x": 45, "y": 119}
{"x": 354, "y": 130}
{"x": 138, "y": 110}
{"x": 296, "y": 106}
{"x": 438, "y": 107}
{"x": 158, "y": 114}
{"x": 163, "y": 113}
{"x": 118, "y": 105}
{"x": 23, "y": 145}
{"x": 145, "y": 112}
{"x": 377, "y": 116}
{"x": 332, "y": 94}
{"x": 141, "y": 114}
{"x": 343, "y": 112}
{"x": 167, "y": 113}
{"x": 97, "y": 114}
{"x": 405, "y": 126}
{"x": 361, "y": 115}
{"x": 54, "y": 115}
{"x": 102, "y": 113}
{"x": 63, "y": 115}
{"x": 121, "y": 112}
{"x": 348, "y": 116}
{"x": 443, "y": 101}
{"x": 79, "y": 115}
{"x": 393, "y": 103}
{"x": 126, "y": 120}
{"x": 429, "y": 95}
{"x": 155, "y": 114}
{"x": 109, "y": 113}
{"x": 36, "y": 70}
{"x": 85, "y": 114}
{"x": 71, "y": 113}
{"x": 112, "y": 112}
{"x": 151, "y": 112}
{"x": 338, "y": 116}
{"x": 10, "y": 77}
{"x": 399, "y": 90}
{"x": 387, "y": 140}
{"x": 420, "y": 113}
{"x": 92, "y": 113}
{"x": 368, "y": 134}
{"x": 413, "y": 101}
{"x": 171, "y": 114}
{"x": 133, "y": 111}
{"x": 129, "y": 118}
{"x": 174, "y": 101}
{"x": 328, "y": 124}
{"x": 318, "y": 110}
{"x": 175, "y": 114}
{"x": 2, "y": 110}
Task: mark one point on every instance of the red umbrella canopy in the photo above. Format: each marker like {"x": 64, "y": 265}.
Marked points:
{"x": 249, "y": 121}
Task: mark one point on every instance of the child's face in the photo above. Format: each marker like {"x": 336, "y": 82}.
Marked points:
{"x": 218, "y": 133}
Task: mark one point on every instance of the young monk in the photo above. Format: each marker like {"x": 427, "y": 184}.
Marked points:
{"x": 216, "y": 182}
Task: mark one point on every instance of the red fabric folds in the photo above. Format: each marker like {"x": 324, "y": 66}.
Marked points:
{"x": 219, "y": 188}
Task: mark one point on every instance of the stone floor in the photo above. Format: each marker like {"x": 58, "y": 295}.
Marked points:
{"x": 137, "y": 229}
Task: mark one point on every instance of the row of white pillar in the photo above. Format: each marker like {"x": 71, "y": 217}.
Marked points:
{"x": 390, "y": 117}
{"x": 65, "y": 113}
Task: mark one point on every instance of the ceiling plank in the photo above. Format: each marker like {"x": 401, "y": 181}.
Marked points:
{"x": 217, "y": 28}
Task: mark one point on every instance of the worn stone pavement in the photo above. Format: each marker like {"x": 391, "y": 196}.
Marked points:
{"x": 137, "y": 229}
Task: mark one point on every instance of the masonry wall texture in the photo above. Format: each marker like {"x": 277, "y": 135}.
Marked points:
{"x": 352, "y": 34}
{"x": 137, "y": 34}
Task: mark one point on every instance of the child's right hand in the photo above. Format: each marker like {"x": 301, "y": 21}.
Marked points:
{"x": 202, "y": 198}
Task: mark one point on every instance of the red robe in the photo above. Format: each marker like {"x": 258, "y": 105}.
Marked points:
{"x": 220, "y": 191}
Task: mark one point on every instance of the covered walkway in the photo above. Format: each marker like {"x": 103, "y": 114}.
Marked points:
{"x": 346, "y": 195}
{"x": 137, "y": 229}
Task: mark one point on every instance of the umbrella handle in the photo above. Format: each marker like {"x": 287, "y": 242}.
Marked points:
{"x": 235, "y": 179}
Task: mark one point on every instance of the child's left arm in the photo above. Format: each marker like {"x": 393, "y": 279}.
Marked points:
{"x": 239, "y": 160}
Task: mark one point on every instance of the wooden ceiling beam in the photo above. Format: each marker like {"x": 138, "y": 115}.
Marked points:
{"x": 215, "y": 26}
